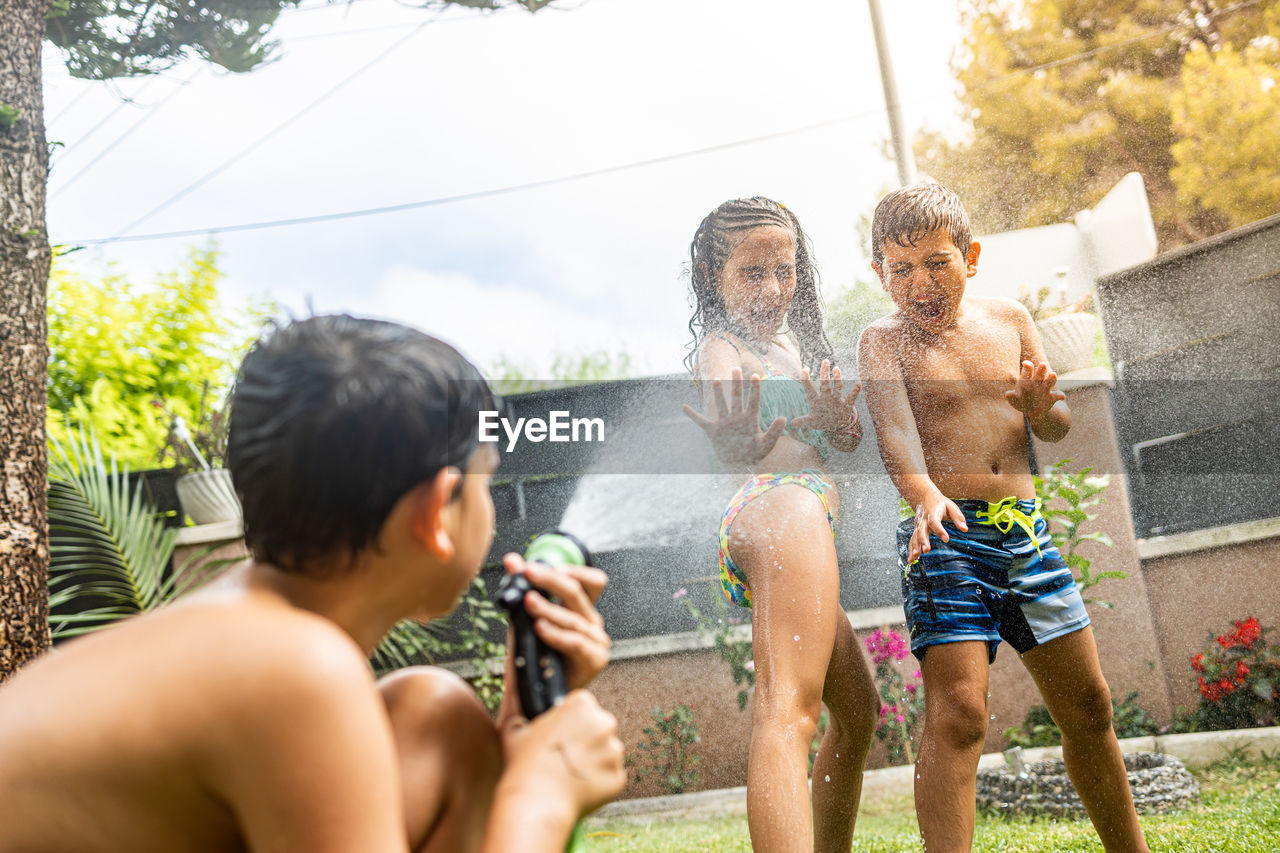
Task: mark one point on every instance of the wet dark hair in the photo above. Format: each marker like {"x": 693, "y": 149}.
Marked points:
{"x": 333, "y": 420}
{"x": 907, "y": 214}
{"x": 709, "y": 252}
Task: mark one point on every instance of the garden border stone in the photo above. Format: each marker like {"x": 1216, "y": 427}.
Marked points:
{"x": 1159, "y": 783}
{"x": 1194, "y": 750}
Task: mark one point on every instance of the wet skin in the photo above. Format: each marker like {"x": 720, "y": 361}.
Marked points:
{"x": 949, "y": 379}
{"x": 806, "y": 654}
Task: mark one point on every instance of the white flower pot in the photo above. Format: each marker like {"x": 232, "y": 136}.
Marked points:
{"x": 208, "y": 496}
{"x": 1068, "y": 340}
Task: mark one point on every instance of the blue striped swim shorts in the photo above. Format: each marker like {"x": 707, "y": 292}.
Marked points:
{"x": 991, "y": 583}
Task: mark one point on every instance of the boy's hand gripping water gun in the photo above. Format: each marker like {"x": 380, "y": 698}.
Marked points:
{"x": 539, "y": 669}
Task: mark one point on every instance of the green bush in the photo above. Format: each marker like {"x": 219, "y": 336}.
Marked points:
{"x": 124, "y": 360}
{"x": 718, "y": 626}
{"x": 1066, "y": 499}
{"x": 1128, "y": 719}
{"x": 668, "y": 753}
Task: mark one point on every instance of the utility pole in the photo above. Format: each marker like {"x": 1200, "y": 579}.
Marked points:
{"x": 901, "y": 146}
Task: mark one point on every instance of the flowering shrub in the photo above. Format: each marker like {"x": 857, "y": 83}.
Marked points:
{"x": 902, "y": 699}
{"x": 718, "y": 625}
{"x": 668, "y": 752}
{"x": 1238, "y": 678}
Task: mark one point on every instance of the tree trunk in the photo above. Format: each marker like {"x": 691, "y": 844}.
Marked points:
{"x": 24, "y": 275}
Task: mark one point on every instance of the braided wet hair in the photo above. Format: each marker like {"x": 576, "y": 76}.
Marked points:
{"x": 708, "y": 254}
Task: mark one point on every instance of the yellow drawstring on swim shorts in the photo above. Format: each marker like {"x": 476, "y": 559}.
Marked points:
{"x": 1004, "y": 514}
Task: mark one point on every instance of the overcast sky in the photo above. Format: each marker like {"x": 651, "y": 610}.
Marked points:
{"x": 376, "y": 103}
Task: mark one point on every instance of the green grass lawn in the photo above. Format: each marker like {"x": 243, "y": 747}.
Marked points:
{"x": 1239, "y": 812}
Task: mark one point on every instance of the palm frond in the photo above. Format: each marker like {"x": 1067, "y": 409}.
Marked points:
{"x": 108, "y": 554}
{"x": 408, "y": 643}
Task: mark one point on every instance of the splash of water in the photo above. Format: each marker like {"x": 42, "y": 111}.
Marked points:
{"x": 653, "y": 484}
{"x": 613, "y": 511}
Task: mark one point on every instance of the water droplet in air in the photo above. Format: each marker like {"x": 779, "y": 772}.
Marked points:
{"x": 797, "y": 639}
{"x": 828, "y": 779}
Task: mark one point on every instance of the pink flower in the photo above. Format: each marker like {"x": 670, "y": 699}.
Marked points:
{"x": 912, "y": 688}
{"x": 749, "y": 666}
{"x": 898, "y": 718}
{"x": 679, "y": 594}
{"x": 917, "y": 674}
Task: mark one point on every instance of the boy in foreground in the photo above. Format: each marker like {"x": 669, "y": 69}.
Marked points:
{"x": 952, "y": 382}
{"x": 245, "y": 716}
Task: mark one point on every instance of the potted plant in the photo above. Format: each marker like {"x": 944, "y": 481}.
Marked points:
{"x": 204, "y": 488}
{"x": 1069, "y": 330}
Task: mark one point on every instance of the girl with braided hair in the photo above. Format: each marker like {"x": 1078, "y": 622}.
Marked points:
{"x": 757, "y": 313}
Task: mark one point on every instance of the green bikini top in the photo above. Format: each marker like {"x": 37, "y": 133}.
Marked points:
{"x": 782, "y": 396}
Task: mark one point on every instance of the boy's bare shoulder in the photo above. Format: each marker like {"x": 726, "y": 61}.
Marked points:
{"x": 889, "y": 324}
{"x": 284, "y": 647}
{"x": 228, "y": 656}
{"x": 999, "y": 309}
{"x": 886, "y": 330}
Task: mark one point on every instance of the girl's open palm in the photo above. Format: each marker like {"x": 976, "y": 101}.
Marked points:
{"x": 829, "y": 407}
{"x": 734, "y": 423}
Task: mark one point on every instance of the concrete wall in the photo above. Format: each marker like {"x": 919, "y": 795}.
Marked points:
{"x": 1201, "y": 593}
{"x": 1127, "y": 634}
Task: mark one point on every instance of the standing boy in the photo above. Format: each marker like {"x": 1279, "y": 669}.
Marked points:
{"x": 952, "y": 382}
{"x": 245, "y": 716}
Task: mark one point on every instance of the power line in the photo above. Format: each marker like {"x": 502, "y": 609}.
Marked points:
{"x": 111, "y": 81}
{"x": 151, "y": 111}
{"x": 124, "y": 102}
{"x": 272, "y": 133}
{"x": 506, "y": 190}
{"x": 66, "y": 109}
{"x": 147, "y": 116}
{"x": 122, "y": 237}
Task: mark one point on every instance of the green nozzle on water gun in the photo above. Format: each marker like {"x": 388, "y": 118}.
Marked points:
{"x": 539, "y": 668}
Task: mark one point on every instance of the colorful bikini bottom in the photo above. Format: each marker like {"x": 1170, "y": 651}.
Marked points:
{"x": 732, "y": 581}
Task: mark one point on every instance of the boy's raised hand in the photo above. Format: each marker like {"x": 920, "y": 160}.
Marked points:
{"x": 930, "y": 514}
{"x": 734, "y": 428}
{"x": 829, "y": 407}
{"x": 1033, "y": 392}
{"x": 572, "y": 627}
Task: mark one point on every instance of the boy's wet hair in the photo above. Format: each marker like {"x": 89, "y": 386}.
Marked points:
{"x": 907, "y": 214}
{"x": 708, "y": 254}
{"x": 333, "y": 420}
